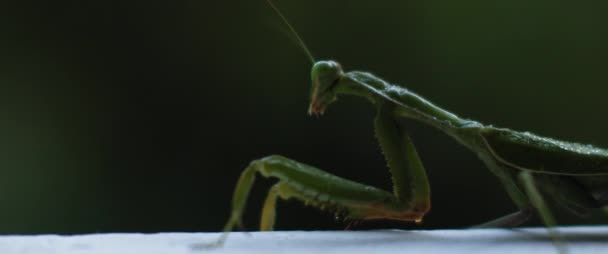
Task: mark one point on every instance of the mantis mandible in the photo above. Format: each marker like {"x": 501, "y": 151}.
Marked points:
{"x": 530, "y": 167}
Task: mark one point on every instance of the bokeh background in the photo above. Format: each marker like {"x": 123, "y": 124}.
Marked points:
{"x": 138, "y": 116}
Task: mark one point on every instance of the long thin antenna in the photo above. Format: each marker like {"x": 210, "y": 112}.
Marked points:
{"x": 300, "y": 41}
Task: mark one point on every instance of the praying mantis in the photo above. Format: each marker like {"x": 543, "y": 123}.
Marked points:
{"x": 530, "y": 167}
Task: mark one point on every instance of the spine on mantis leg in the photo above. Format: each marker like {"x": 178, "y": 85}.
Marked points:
{"x": 410, "y": 183}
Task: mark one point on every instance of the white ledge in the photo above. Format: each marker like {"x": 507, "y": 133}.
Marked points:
{"x": 527, "y": 240}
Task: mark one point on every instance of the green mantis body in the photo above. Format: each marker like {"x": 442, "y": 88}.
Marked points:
{"x": 530, "y": 167}
{"x": 571, "y": 174}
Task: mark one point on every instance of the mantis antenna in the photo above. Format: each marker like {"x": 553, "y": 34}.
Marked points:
{"x": 293, "y": 31}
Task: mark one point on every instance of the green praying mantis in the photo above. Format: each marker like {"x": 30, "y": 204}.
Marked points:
{"x": 530, "y": 167}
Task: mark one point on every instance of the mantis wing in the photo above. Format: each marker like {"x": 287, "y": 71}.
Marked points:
{"x": 545, "y": 155}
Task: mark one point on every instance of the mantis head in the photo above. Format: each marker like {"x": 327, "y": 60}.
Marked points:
{"x": 325, "y": 76}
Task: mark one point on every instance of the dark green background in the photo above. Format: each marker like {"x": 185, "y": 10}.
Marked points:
{"x": 140, "y": 115}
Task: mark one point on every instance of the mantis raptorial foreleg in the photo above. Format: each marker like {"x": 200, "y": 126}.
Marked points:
{"x": 410, "y": 183}
{"x": 409, "y": 201}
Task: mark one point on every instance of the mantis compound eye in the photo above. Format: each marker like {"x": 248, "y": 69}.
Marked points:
{"x": 324, "y": 75}
{"x": 326, "y": 72}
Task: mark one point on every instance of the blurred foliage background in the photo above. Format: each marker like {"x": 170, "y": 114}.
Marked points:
{"x": 138, "y": 116}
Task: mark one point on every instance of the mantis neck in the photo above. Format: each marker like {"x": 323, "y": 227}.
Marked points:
{"x": 410, "y": 105}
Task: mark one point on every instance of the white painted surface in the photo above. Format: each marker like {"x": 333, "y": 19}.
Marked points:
{"x": 579, "y": 240}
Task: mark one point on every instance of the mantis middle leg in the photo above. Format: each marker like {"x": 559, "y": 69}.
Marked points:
{"x": 509, "y": 181}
